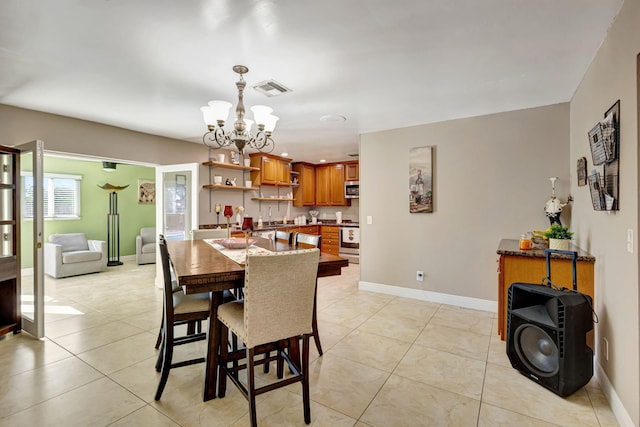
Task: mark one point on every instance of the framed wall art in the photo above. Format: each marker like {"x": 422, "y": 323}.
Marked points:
{"x": 146, "y": 192}
{"x": 421, "y": 179}
{"x": 582, "y": 171}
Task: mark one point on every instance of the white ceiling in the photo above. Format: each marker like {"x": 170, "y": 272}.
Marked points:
{"x": 148, "y": 65}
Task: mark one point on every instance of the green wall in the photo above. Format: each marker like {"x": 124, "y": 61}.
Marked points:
{"x": 94, "y": 204}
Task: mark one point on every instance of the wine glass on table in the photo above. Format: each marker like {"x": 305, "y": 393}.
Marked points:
{"x": 228, "y": 213}
{"x": 247, "y": 227}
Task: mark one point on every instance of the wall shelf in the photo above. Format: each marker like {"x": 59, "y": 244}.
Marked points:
{"x": 228, "y": 187}
{"x": 272, "y": 199}
{"x": 214, "y": 164}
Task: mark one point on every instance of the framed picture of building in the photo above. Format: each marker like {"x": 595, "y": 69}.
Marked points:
{"x": 421, "y": 179}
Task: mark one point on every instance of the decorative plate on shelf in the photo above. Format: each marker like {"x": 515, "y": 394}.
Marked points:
{"x": 235, "y": 243}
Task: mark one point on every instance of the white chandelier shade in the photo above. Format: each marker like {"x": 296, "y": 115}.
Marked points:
{"x": 216, "y": 113}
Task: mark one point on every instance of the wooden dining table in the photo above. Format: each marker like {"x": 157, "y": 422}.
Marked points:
{"x": 200, "y": 268}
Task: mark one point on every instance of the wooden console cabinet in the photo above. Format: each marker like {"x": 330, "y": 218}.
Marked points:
{"x": 530, "y": 267}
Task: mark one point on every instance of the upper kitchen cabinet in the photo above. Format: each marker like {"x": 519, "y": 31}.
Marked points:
{"x": 305, "y": 193}
{"x": 330, "y": 185}
{"x": 352, "y": 171}
{"x": 274, "y": 170}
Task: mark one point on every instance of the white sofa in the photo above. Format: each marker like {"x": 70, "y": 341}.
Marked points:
{"x": 72, "y": 254}
{"x": 146, "y": 246}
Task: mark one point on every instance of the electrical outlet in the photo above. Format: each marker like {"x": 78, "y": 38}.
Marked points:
{"x": 420, "y": 276}
{"x": 606, "y": 348}
{"x": 369, "y": 219}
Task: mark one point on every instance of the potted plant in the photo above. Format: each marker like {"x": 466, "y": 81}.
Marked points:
{"x": 559, "y": 237}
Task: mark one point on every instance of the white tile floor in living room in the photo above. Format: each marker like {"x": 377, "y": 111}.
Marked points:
{"x": 388, "y": 362}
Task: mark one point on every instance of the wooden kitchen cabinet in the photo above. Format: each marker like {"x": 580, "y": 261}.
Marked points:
{"x": 305, "y": 193}
{"x": 10, "y": 315}
{"x": 274, "y": 170}
{"x": 352, "y": 171}
{"x": 529, "y": 266}
{"x": 330, "y": 239}
{"x": 330, "y": 185}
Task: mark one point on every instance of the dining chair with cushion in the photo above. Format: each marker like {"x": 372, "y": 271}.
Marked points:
{"x": 178, "y": 308}
{"x": 282, "y": 236}
{"x": 311, "y": 241}
{"x": 211, "y": 233}
{"x": 277, "y": 307}
{"x": 306, "y": 241}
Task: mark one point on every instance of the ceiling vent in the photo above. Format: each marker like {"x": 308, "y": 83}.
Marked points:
{"x": 108, "y": 166}
{"x": 271, "y": 88}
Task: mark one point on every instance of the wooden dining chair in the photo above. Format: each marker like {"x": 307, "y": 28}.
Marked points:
{"x": 212, "y": 233}
{"x": 282, "y": 236}
{"x": 192, "y": 325}
{"x": 178, "y": 308}
{"x": 307, "y": 241}
{"x": 277, "y": 308}
{"x": 311, "y": 241}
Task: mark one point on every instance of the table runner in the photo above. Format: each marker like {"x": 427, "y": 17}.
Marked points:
{"x": 237, "y": 255}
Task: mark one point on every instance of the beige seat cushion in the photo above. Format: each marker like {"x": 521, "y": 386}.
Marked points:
{"x": 80, "y": 256}
{"x": 189, "y": 303}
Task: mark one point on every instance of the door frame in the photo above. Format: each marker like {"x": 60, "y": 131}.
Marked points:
{"x": 192, "y": 194}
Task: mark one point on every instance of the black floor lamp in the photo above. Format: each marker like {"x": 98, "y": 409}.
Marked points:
{"x": 113, "y": 225}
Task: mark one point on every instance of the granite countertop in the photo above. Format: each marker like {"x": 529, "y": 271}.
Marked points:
{"x": 290, "y": 224}
{"x": 512, "y": 247}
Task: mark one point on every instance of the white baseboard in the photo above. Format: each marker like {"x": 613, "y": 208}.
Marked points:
{"x": 419, "y": 294}
{"x": 622, "y": 416}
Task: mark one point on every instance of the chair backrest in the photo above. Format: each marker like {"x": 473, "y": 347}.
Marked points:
{"x": 148, "y": 234}
{"x": 70, "y": 241}
{"x": 212, "y": 233}
{"x": 282, "y": 236}
{"x": 278, "y": 295}
{"x": 171, "y": 284}
{"x": 306, "y": 241}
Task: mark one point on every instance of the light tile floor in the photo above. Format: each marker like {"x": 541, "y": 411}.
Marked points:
{"x": 388, "y": 362}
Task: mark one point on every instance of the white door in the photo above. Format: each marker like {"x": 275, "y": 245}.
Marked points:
{"x": 31, "y": 224}
{"x": 177, "y": 189}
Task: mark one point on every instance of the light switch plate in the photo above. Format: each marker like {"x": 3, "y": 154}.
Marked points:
{"x": 630, "y": 240}
{"x": 369, "y": 219}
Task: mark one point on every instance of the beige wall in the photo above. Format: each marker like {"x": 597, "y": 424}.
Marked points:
{"x": 491, "y": 181}
{"x": 612, "y": 76}
{"x": 67, "y": 135}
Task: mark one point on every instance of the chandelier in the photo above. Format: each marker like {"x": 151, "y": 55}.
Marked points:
{"x": 217, "y": 112}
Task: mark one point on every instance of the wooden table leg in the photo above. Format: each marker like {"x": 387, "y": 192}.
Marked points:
{"x": 213, "y": 344}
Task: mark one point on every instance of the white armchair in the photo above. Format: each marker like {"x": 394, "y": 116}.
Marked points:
{"x": 146, "y": 246}
{"x": 72, "y": 254}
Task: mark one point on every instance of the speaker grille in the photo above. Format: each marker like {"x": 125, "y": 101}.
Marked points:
{"x": 561, "y": 326}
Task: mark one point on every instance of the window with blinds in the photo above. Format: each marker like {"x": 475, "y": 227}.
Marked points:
{"x": 61, "y": 196}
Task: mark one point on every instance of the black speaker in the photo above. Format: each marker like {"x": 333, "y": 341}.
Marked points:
{"x": 547, "y": 336}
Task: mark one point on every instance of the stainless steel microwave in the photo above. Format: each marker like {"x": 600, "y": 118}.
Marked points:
{"x": 351, "y": 189}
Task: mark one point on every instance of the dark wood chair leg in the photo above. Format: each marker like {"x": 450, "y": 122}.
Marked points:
{"x": 159, "y": 339}
{"x": 222, "y": 361}
{"x": 314, "y": 322}
{"x": 251, "y": 388}
{"x": 305, "y": 379}
{"x": 166, "y": 364}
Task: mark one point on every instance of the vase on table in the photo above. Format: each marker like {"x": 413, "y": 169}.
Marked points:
{"x": 559, "y": 244}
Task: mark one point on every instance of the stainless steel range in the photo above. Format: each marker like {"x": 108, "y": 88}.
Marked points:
{"x": 350, "y": 242}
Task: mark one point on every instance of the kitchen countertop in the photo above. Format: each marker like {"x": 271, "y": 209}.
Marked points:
{"x": 280, "y": 225}
{"x": 512, "y": 247}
